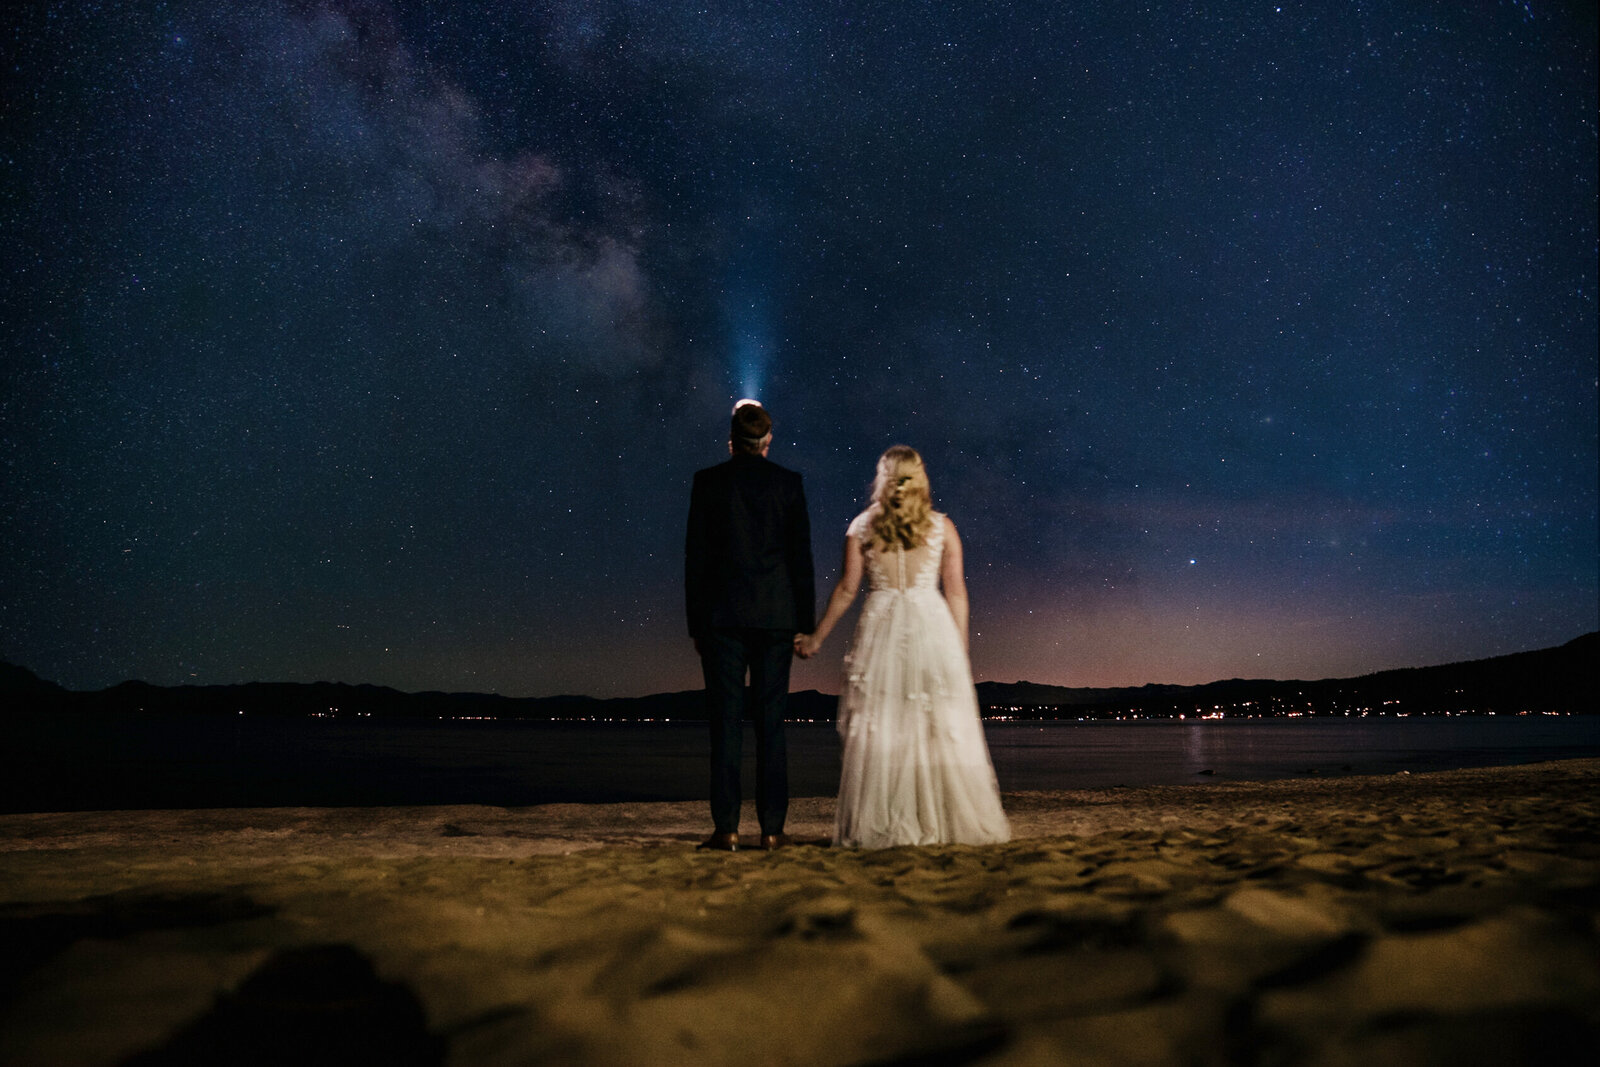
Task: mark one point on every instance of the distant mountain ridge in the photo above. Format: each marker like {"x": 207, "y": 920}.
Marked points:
{"x": 21, "y": 687}
{"x": 1560, "y": 679}
{"x": 1564, "y": 678}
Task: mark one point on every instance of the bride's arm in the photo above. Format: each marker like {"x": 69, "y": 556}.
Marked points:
{"x": 805, "y": 645}
{"x": 953, "y": 577}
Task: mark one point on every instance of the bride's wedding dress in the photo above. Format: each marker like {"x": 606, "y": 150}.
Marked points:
{"x": 916, "y": 768}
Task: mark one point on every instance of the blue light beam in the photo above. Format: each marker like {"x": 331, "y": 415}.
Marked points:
{"x": 750, "y": 329}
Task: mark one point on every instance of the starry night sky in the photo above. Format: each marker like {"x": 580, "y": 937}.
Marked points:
{"x": 378, "y": 340}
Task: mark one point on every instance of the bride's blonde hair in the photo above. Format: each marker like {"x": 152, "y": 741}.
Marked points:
{"x": 902, "y": 507}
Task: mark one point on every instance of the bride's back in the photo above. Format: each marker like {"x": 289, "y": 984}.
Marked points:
{"x": 901, "y": 568}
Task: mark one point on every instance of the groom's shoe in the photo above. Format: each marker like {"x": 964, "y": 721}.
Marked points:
{"x": 773, "y": 842}
{"x": 722, "y": 842}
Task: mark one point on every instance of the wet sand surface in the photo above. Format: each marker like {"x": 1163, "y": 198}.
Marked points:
{"x": 1449, "y": 918}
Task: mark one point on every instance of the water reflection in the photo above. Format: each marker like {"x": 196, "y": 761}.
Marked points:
{"x": 81, "y": 763}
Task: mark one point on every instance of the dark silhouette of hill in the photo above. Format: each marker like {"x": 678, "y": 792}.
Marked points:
{"x": 1561, "y": 679}
{"x": 18, "y": 684}
{"x": 21, "y": 688}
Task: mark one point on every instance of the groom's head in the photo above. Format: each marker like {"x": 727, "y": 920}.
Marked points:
{"x": 751, "y": 429}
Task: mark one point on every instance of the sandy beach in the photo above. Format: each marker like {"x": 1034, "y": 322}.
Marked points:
{"x": 1448, "y": 918}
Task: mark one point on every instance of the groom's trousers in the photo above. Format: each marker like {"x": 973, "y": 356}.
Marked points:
{"x": 725, "y": 656}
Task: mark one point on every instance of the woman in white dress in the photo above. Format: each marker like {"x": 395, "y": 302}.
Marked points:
{"x": 916, "y": 768}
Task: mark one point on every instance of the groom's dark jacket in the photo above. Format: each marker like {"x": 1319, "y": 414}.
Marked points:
{"x": 747, "y": 557}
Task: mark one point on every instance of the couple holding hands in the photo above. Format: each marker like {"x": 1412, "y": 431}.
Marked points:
{"x": 916, "y": 769}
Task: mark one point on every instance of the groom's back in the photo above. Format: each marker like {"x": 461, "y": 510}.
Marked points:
{"x": 748, "y": 553}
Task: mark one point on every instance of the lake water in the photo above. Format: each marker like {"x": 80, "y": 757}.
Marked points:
{"x": 90, "y": 762}
{"x": 1071, "y": 755}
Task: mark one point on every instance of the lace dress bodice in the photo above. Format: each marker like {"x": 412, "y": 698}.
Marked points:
{"x": 902, "y": 570}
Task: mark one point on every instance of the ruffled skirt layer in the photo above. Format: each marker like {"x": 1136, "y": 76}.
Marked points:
{"x": 916, "y": 767}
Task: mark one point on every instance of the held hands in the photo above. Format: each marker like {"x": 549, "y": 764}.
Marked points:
{"x": 806, "y": 645}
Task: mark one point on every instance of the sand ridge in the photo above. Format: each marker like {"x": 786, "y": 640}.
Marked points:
{"x": 1450, "y": 917}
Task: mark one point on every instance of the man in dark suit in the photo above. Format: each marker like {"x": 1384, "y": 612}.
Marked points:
{"x": 750, "y": 588}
